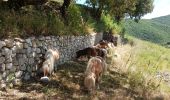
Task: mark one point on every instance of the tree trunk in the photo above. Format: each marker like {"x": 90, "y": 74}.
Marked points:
{"x": 64, "y": 8}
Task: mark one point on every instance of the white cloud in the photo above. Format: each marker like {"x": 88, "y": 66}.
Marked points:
{"x": 161, "y": 8}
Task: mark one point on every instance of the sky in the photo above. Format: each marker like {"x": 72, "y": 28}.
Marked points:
{"x": 161, "y": 8}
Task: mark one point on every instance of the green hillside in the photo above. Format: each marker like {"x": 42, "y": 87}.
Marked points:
{"x": 156, "y": 30}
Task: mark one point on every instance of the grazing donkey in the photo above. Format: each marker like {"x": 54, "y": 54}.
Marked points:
{"x": 95, "y": 68}
{"x": 51, "y": 56}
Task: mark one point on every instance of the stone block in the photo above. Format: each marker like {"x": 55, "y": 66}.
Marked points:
{"x": 2, "y": 44}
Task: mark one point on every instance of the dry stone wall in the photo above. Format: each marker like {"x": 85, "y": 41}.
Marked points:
{"x": 21, "y": 58}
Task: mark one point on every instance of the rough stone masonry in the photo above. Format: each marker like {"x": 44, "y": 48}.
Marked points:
{"x": 20, "y": 58}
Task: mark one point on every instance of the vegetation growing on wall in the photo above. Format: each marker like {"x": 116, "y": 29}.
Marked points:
{"x": 65, "y": 17}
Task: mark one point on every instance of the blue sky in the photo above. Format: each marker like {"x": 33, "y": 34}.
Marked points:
{"x": 161, "y": 8}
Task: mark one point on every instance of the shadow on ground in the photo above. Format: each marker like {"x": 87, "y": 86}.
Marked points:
{"x": 67, "y": 83}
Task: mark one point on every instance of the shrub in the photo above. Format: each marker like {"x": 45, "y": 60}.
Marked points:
{"x": 30, "y": 21}
{"x": 110, "y": 24}
{"x": 75, "y": 20}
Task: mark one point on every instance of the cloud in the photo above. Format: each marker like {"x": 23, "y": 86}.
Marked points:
{"x": 161, "y": 8}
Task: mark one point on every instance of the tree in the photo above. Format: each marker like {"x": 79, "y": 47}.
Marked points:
{"x": 64, "y": 7}
{"x": 118, "y": 8}
{"x": 142, "y": 7}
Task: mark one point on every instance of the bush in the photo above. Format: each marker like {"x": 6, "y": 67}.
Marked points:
{"x": 30, "y": 21}
{"x": 75, "y": 20}
{"x": 110, "y": 24}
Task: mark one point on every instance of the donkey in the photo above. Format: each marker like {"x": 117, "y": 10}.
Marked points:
{"x": 95, "y": 68}
{"x": 51, "y": 56}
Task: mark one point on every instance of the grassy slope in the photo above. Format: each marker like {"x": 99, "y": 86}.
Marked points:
{"x": 155, "y": 30}
{"x": 148, "y": 56}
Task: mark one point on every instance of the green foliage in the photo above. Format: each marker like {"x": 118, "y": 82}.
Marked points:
{"x": 154, "y": 30}
{"x": 110, "y": 25}
{"x": 75, "y": 20}
{"x": 32, "y": 21}
{"x": 142, "y": 7}
{"x": 118, "y": 8}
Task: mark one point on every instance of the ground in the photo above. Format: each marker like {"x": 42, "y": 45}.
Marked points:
{"x": 67, "y": 83}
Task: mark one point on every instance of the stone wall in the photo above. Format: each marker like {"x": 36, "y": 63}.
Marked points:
{"x": 21, "y": 58}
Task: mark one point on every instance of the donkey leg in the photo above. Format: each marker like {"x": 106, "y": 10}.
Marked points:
{"x": 97, "y": 81}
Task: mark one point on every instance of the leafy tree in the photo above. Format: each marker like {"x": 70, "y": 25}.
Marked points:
{"x": 142, "y": 7}
{"x": 118, "y": 8}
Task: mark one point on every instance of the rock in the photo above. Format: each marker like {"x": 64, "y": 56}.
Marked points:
{"x": 2, "y": 44}
{"x": 23, "y": 51}
{"x": 29, "y": 42}
{"x": 19, "y": 39}
{"x": 25, "y": 45}
{"x": 55, "y": 44}
{"x": 16, "y": 82}
{"x": 33, "y": 74}
{"x": 32, "y": 38}
{"x": 2, "y": 60}
{"x": 31, "y": 60}
{"x": 4, "y": 74}
{"x": 14, "y": 49}
{"x": 29, "y": 69}
{"x": 42, "y": 38}
{"x": 29, "y": 50}
{"x": 33, "y": 49}
{"x": 38, "y": 50}
{"x": 9, "y": 43}
{"x": 23, "y": 67}
{"x": 17, "y": 67}
{"x": 7, "y": 52}
{"x": 3, "y": 86}
{"x": 22, "y": 60}
{"x": 27, "y": 76}
{"x": 39, "y": 44}
{"x": 13, "y": 55}
{"x": 2, "y": 67}
{"x": 19, "y": 45}
{"x": 34, "y": 68}
{"x": 43, "y": 50}
{"x": 48, "y": 38}
{"x": 45, "y": 79}
{"x": 15, "y": 61}
{"x": 18, "y": 74}
{"x": 31, "y": 55}
{"x": 9, "y": 66}
{"x": 34, "y": 45}
{"x": 9, "y": 59}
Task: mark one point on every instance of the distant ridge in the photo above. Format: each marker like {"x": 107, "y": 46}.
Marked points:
{"x": 156, "y": 30}
{"x": 163, "y": 19}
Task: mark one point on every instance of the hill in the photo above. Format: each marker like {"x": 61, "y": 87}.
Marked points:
{"x": 156, "y": 30}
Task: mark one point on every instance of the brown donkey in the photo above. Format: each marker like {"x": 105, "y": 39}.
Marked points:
{"x": 95, "y": 68}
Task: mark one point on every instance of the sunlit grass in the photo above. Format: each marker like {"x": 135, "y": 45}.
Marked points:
{"x": 147, "y": 60}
